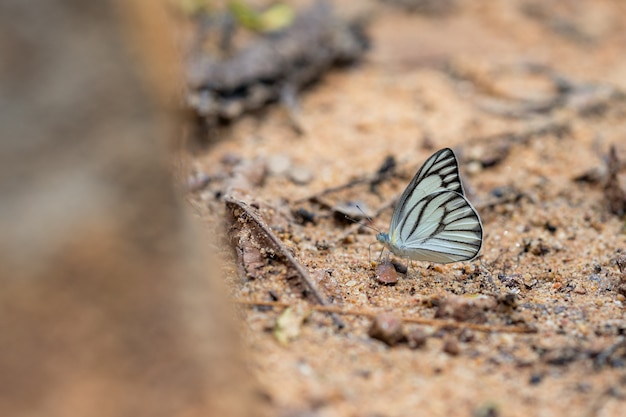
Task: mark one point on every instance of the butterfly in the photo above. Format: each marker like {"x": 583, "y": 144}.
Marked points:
{"x": 433, "y": 220}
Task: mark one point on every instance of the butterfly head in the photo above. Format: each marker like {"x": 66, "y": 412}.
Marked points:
{"x": 383, "y": 238}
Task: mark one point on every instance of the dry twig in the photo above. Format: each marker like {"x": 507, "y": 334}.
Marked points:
{"x": 242, "y": 213}
{"x": 418, "y": 320}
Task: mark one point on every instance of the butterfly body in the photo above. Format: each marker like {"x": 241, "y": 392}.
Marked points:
{"x": 433, "y": 220}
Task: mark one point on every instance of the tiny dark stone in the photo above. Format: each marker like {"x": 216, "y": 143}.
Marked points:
{"x": 535, "y": 379}
{"x": 400, "y": 268}
{"x": 499, "y": 192}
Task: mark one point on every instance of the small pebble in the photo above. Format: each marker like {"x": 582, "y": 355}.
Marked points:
{"x": 474, "y": 167}
{"x": 387, "y": 327}
{"x": 451, "y": 346}
{"x": 535, "y": 379}
{"x": 386, "y": 273}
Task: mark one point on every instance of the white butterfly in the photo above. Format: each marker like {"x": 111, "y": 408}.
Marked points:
{"x": 433, "y": 221}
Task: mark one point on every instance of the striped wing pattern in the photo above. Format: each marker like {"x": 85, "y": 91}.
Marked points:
{"x": 433, "y": 220}
{"x": 440, "y": 172}
{"x": 442, "y": 227}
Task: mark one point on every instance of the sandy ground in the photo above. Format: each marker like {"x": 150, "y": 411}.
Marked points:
{"x": 482, "y": 79}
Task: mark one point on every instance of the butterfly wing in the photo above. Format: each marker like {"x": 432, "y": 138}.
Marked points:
{"x": 440, "y": 172}
{"x": 442, "y": 227}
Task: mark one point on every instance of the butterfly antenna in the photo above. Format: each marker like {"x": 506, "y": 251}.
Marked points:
{"x": 369, "y": 219}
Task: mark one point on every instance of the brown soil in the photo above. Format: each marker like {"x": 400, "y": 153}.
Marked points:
{"x": 459, "y": 80}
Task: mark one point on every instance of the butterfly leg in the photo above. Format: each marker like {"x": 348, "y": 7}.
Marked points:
{"x": 381, "y": 254}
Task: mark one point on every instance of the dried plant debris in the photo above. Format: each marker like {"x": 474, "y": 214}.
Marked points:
{"x": 438, "y": 323}
{"x": 567, "y": 25}
{"x": 289, "y": 324}
{"x": 303, "y": 216}
{"x": 250, "y": 259}
{"x": 386, "y": 170}
{"x": 223, "y": 89}
{"x": 620, "y": 261}
{"x": 250, "y": 234}
{"x": 536, "y": 247}
{"x": 328, "y": 284}
{"x": 595, "y": 175}
{"x": 614, "y": 355}
{"x": 425, "y": 7}
{"x": 497, "y": 90}
{"x": 614, "y": 193}
{"x": 490, "y": 151}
